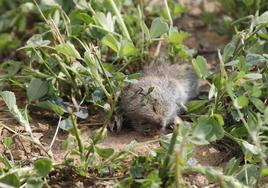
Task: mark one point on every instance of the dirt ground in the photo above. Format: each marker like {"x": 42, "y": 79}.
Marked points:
{"x": 203, "y": 38}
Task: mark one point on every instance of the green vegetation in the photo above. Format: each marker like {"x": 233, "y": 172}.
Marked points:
{"x": 64, "y": 56}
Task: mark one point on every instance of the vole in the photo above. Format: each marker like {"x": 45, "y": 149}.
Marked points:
{"x": 159, "y": 95}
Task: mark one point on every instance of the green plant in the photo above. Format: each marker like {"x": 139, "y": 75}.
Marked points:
{"x": 84, "y": 53}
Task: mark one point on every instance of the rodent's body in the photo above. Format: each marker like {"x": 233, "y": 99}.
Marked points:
{"x": 173, "y": 86}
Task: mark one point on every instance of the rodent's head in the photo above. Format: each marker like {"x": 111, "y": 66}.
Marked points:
{"x": 143, "y": 109}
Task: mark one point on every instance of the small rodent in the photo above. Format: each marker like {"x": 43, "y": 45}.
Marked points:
{"x": 159, "y": 95}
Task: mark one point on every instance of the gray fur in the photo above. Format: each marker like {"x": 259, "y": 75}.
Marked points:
{"x": 173, "y": 86}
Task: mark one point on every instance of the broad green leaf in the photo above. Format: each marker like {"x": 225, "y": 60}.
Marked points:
{"x": 68, "y": 50}
{"x": 208, "y": 129}
{"x": 11, "y": 180}
{"x": 264, "y": 172}
{"x": 263, "y": 19}
{"x": 66, "y": 124}
{"x": 228, "y": 52}
{"x": 10, "y": 101}
{"x": 242, "y": 101}
{"x": 43, "y": 167}
{"x": 36, "y": 89}
{"x": 34, "y": 182}
{"x": 200, "y": 66}
{"x": 83, "y": 113}
{"x": 158, "y": 28}
{"x": 219, "y": 119}
{"x": 106, "y": 21}
{"x": 81, "y": 4}
{"x": 258, "y": 104}
{"x": 104, "y": 152}
{"x": 37, "y": 41}
{"x": 11, "y": 67}
{"x": 249, "y": 147}
{"x": 83, "y": 17}
{"x": 110, "y": 41}
{"x": 254, "y": 59}
{"x": 127, "y": 48}
{"x": 256, "y": 92}
{"x": 8, "y": 41}
{"x": 48, "y": 105}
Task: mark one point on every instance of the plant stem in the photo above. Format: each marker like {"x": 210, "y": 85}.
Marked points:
{"x": 120, "y": 19}
{"x": 55, "y": 135}
{"x": 169, "y": 15}
{"x": 77, "y": 135}
{"x": 163, "y": 173}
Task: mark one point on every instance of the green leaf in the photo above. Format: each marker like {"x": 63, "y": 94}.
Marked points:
{"x": 242, "y": 101}
{"x": 263, "y": 19}
{"x": 127, "y": 48}
{"x": 82, "y": 16}
{"x": 177, "y": 37}
{"x": 110, "y": 41}
{"x": 37, "y": 41}
{"x": 107, "y": 22}
{"x": 158, "y": 28}
{"x": 266, "y": 115}
{"x": 258, "y": 104}
{"x": 208, "y": 129}
{"x": 11, "y": 179}
{"x": 248, "y": 3}
{"x": 48, "y": 105}
{"x": 249, "y": 147}
{"x": 34, "y": 182}
{"x": 200, "y": 66}
{"x": 219, "y": 119}
{"x": 11, "y": 67}
{"x": 82, "y": 113}
{"x": 7, "y": 141}
{"x": 104, "y": 152}
{"x": 254, "y": 76}
{"x": 145, "y": 29}
{"x": 9, "y": 99}
{"x": 66, "y": 124}
{"x": 256, "y": 92}
{"x": 264, "y": 172}
{"x": 43, "y": 167}
{"x": 228, "y": 52}
{"x": 195, "y": 105}
{"x": 8, "y": 41}
{"x": 68, "y": 50}
{"x": 36, "y": 89}
{"x": 254, "y": 59}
